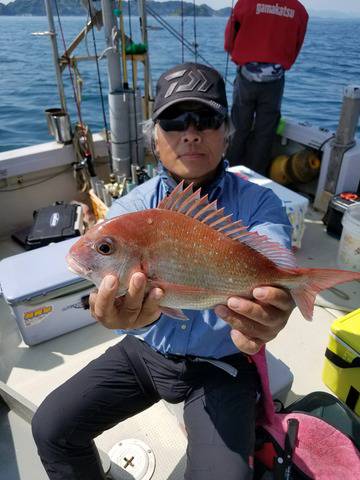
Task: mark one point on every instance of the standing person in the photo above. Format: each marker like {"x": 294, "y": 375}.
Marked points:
{"x": 213, "y": 361}
{"x": 264, "y": 40}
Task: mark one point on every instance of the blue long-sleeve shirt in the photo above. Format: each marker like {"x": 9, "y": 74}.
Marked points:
{"x": 205, "y": 334}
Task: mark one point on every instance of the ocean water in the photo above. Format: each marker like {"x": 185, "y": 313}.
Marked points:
{"x": 328, "y": 62}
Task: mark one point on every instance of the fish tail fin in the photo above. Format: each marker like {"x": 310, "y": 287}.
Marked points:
{"x": 316, "y": 280}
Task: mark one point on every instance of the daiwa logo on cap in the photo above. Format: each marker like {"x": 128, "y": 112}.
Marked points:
{"x": 194, "y": 78}
{"x": 193, "y": 82}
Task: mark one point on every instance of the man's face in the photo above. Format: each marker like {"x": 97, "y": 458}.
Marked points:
{"x": 192, "y": 154}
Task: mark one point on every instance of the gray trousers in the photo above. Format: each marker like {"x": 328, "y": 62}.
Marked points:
{"x": 219, "y": 411}
{"x": 255, "y": 114}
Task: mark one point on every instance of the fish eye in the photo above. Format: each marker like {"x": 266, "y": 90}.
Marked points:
{"x": 105, "y": 246}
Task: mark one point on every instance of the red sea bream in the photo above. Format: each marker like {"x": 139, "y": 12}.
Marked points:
{"x": 196, "y": 254}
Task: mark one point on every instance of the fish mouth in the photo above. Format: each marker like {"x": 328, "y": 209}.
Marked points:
{"x": 76, "y": 267}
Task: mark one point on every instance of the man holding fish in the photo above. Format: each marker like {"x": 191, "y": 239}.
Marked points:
{"x": 169, "y": 267}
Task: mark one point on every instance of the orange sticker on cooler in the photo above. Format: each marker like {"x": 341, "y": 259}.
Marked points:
{"x": 37, "y": 315}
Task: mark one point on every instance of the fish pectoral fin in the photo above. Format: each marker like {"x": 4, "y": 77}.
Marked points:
{"x": 304, "y": 298}
{"x": 174, "y": 313}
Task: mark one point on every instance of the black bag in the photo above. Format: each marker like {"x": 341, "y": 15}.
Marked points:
{"x": 53, "y": 223}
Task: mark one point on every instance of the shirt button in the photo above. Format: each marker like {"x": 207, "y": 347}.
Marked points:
{"x": 183, "y": 327}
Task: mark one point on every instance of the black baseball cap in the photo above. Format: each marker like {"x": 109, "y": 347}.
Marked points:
{"x": 190, "y": 82}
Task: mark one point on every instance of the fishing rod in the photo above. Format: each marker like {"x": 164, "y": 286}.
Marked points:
{"x": 148, "y": 92}
{"x": 231, "y": 32}
{"x": 180, "y": 38}
{"x": 170, "y": 29}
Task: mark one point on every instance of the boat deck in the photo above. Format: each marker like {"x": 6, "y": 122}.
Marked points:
{"x": 34, "y": 371}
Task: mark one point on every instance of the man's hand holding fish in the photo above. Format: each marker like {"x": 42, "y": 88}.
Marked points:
{"x": 133, "y": 310}
{"x": 256, "y": 322}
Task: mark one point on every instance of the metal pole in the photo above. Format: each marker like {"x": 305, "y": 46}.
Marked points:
{"x": 112, "y": 46}
{"x": 123, "y": 45}
{"x": 118, "y": 96}
{"x": 343, "y": 141}
{"x": 59, "y": 80}
{"x": 147, "y": 76}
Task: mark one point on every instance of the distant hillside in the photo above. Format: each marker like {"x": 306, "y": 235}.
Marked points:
{"x": 333, "y": 14}
{"x": 75, "y": 7}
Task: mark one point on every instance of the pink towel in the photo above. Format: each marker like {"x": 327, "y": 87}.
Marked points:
{"x": 322, "y": 452}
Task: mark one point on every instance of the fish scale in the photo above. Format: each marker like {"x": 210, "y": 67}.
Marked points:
{"x": 197, "y": 255}
{"x": 186, "y": 263}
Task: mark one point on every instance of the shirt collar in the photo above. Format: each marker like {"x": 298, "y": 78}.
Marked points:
{"x": 213, "y": 189}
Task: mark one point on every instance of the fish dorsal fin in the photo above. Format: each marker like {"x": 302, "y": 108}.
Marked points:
{"x": 191, "y": 204}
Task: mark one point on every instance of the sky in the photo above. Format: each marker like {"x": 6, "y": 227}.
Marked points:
{"x": 345, "y": 6}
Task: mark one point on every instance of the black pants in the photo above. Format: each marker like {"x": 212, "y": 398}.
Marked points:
{"x": 255, "y": 114}
{"x": 219, "y": 411}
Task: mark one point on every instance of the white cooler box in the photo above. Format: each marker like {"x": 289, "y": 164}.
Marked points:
{"x": 44, "y": 296}
{"x": 296, "y": 205}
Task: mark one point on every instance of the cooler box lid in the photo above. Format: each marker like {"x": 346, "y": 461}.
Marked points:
{"x": 38, "y": 273}
{"x": 347, "y": 329}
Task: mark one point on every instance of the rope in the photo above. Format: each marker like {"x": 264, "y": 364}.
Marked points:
{"x": 78, "y": 80}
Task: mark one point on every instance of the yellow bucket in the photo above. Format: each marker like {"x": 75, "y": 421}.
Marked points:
{"x": 341, "y": 370}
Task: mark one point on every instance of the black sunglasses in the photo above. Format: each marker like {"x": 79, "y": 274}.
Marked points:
{"x": 200, "y": 120}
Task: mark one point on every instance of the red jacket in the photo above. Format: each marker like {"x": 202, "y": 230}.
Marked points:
{"x": 266, "y": 31}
